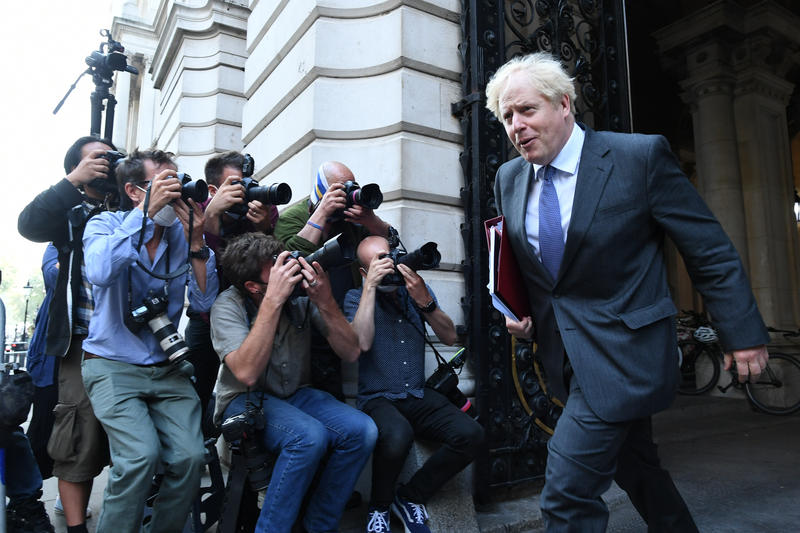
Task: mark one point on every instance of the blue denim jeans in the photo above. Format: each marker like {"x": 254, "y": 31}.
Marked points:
{"x": 301, "y": 430}
{"x": 21, "y": 471}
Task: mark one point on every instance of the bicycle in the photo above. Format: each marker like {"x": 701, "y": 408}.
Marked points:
{"x": 776, "y": 391}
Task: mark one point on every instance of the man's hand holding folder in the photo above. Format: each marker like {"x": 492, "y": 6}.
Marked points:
{"x": 505, "y": 281}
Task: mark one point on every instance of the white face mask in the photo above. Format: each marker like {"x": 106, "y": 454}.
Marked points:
{"x": 166, "y": 216}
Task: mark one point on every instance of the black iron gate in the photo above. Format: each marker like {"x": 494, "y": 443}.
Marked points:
{"x": 589, "y": 38}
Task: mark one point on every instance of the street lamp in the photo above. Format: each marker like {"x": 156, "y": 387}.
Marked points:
{"x": 27, "y": 288}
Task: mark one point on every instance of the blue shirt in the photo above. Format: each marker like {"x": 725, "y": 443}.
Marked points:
{"x": 41, "y": 366}
{"x": 395, "y": 365}
{"x": 109, "y": 242}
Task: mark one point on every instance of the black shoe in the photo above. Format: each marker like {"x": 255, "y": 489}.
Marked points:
{"x": 28, "y": 516}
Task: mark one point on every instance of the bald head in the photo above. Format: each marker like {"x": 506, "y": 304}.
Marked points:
{"x": 370, "y": 247}
{"x": 337, "y": 172}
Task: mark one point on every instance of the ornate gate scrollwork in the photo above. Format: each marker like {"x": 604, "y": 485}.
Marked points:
{"x": 589, "y": 38}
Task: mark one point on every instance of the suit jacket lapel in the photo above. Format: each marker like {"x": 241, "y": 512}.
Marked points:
{"x": 592, "y": 176}
{"x": 518, "y": 210}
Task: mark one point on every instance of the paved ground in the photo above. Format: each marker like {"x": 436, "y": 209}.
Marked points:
{"x": 738, "y": 470}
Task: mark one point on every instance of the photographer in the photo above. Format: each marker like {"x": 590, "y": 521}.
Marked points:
{"x": 223, "y": 174}
{"x": 144, "y": 400}
{"x": 59, "y": 214}
{"x": 312, "y": 221}
{"x": 390, "y": 322}
{"x": 263, "y": 337}
{"x": 21, "y": 476}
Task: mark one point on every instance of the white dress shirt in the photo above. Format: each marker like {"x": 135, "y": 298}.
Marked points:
{"x": 566, "y": 164}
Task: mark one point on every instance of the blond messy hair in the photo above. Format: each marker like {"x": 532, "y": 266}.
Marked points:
{"x": 546, "y": 73}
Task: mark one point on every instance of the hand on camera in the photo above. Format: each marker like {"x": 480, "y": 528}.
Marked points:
{"x": 315, "y": 281}
{"x": 182, "y": 210}
{"x": 283, "y": 275}
{"x": 230, "y": 193}
{"x": 415, "y": 286}
{"x": 164, "y": 188}
{"x": 381, "y": 266}
{"x": 358, "y": 214}
{"x": 258, "y": 214}
{"x": 91, "y": 167}
{"x": 521, "y": 330}
{"x": 332, "y": 201}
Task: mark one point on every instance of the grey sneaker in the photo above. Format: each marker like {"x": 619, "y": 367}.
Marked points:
{"x": 59, "y": 508}
{"x": 413, "y": 515}
{"x": 378, "y": 521}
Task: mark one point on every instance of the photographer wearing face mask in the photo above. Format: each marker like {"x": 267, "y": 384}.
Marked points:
{"x": 263, "y": 336}
{"x": 140, "y": 389}
{"x": 77, "y": 443}
{"x": 390, "y": 322}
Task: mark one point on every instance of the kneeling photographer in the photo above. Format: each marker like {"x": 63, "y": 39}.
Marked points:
{"x": 263, "y": 335}
{"x": 139, "y": 261}
{"x": 389, "y": 314}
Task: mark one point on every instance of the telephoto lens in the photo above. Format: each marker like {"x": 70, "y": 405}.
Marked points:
{"x": 168, "y": 337}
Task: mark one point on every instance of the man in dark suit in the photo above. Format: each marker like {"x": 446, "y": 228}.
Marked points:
{"x": 586, "y": 213}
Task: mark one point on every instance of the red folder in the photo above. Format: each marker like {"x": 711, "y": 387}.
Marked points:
{"x": 509, "y": 286}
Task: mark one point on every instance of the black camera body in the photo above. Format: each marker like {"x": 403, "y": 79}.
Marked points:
{"x": 153, "y": 312}
{"x": 369, "y": 195}
{"x": 336, "y": 252}
{"x": 445, "y": 381}
{"x": 246, "y": 429}
{"x": 197, "y": 190}
{"x": 426, "y": 257}
{"x": 275, "y": 194}
{"x": 108, "y": 185}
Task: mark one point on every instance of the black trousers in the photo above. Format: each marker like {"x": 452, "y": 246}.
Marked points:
{"x": 650, "y": 487}
{"x": 433, "y": 418}
{"x": 205, "y": 361}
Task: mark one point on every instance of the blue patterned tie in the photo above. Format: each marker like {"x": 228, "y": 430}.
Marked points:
{"x": 551, "y": 237}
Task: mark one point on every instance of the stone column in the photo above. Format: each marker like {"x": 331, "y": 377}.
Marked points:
{"x": 709, "y": 92}
{"x": 765, "y": 156}
{"x": 191, "y": 98}
{"x": 736, "y": 62}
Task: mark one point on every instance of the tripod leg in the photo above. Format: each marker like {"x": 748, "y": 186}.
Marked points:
{"x": 233, "y": 494}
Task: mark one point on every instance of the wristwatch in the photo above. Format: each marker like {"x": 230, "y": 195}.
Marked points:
{"x": 202, "y": 253}
{"x": 429, "y": 308}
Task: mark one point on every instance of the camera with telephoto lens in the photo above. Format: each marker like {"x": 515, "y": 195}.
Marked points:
{"x": 153, "y": 312}
{"x": 108, "y": 185}
{"x": 275, "y": 194}
{"x": 246, "y": 428}
{"x": 369, "y": 195}
{"x": 336, "y": 252}
{"x": 445, "y": 381}
{"x": 426, "y": 257}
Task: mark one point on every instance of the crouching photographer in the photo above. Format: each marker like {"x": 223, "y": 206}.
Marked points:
{"x": 263, "y": 337}
{"x": 139, "y": 261}
{"x": 389, "y": 314}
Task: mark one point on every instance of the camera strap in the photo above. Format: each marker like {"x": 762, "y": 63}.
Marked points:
{"x": 178, "y": 271}
{"x": 402, "y": 311}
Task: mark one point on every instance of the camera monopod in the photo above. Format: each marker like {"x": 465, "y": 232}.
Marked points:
{"x": 102, "y": 65}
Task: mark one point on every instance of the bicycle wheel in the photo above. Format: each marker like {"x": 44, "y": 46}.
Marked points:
{"x": 777, "y": 390}
{"x": 699, "y": 368}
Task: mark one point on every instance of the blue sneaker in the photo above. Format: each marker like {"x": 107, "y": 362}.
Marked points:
{"x": 413, "y": 515}
{"x": 378, "y": 521}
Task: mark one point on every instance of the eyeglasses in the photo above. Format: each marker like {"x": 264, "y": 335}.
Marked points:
{"x": 138, "y": 185}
